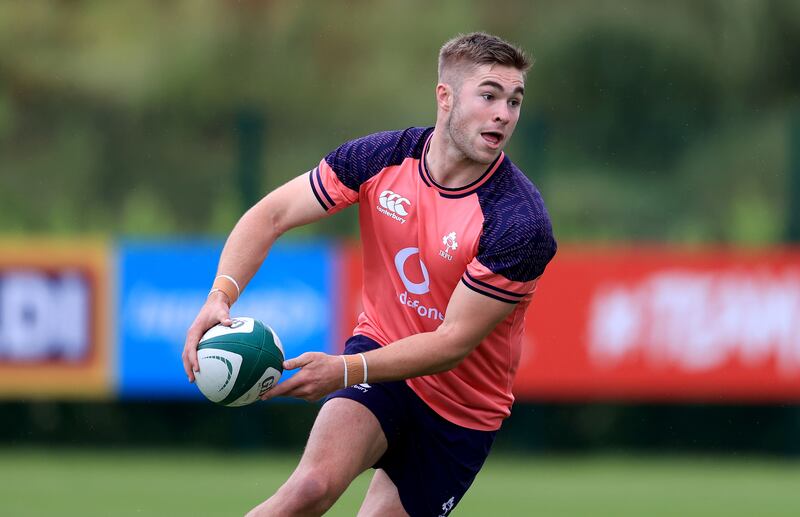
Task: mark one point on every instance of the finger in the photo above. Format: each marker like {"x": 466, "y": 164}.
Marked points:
{"x": 193, "y": 359}
{"x": 187, "y": 367}
{"x": 283, "y": 389}
{"x": 190, "y": 363}
{"x": 299, "y": 361}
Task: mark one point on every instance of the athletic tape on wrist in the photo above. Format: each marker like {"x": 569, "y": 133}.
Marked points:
{"x": 234, "y": 282}
{"x": 222, "y": 284}
{"x": 344, "y": 361}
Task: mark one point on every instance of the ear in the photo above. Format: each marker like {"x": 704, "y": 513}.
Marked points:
{"x": 444, "y": 96}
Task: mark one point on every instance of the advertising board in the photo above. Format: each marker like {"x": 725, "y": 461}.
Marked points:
{"x": 54, "y": 314}
{"x": 658, "y": 323}
{"x": 162, "y": 286}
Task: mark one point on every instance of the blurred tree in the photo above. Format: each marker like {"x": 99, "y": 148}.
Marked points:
{"x": 793, "y": 224}
{"x": 644, "y": 120}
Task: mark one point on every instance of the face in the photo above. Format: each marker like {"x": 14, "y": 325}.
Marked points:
{"x": 485, "y": 111}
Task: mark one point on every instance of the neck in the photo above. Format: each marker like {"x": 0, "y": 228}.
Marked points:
{"x": 448, "y": 166}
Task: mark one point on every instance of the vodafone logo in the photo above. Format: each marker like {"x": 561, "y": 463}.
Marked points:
{"x": 417, "y": 288}
{"x": 392, "y": 205}
{"x": 399, "y": 263}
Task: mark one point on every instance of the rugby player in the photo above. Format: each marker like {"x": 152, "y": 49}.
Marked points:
{"x": 454, "y": 239}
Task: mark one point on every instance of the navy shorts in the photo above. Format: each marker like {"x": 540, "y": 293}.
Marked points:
{"x": 431, "y": 461}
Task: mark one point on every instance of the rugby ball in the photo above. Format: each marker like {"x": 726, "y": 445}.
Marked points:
{"x": 239, "y": 363}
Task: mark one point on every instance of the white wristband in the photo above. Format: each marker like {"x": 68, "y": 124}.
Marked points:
{"x": 364, "y": 360}
{"x": 345, "y": 370}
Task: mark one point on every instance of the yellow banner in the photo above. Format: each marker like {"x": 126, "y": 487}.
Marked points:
{"x": 55, "y": 315}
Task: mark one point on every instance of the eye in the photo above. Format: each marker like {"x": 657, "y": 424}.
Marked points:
{"x": 515, "y": 102}
{"x": 487, "y": 96}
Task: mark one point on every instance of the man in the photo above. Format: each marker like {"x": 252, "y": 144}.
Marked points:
{"x": 454, "y": 240}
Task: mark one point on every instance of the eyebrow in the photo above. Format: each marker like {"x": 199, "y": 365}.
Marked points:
{"x": 495, "y": 84}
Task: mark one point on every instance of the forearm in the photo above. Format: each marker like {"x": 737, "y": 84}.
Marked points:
{"x": 248, "y": 245}
{"x": 468, "y": 320}
{"x": 287, "y": 207}
{"x": 420, "y": 354}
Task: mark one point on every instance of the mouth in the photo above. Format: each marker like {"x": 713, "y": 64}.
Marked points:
{"x": 493, "y": 138}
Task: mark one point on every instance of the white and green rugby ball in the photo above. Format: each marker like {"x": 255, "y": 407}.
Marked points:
{"x": 239, "y": 363}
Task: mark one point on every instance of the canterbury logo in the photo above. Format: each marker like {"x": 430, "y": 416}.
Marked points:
{"x": 394, "y": 202}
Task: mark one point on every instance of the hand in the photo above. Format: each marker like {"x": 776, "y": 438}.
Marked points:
{"x": 319, "y": 375}
{"x": 214, "y": 311}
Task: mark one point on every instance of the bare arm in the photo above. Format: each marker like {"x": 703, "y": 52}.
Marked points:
{"x": 469, "y": 318}
{"x": 248, "y": 244}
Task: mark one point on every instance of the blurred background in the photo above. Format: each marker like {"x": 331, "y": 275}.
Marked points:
{"x": 661, "y": 373}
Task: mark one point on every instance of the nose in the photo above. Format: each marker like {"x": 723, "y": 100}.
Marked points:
{"x": 502, "y": 115}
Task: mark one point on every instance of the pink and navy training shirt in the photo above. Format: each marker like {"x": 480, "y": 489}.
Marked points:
{"x": 420, "y": 239}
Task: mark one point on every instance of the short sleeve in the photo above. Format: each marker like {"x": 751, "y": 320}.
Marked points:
{"x": 330, "y": 192}
{"x": 339, "y": 176}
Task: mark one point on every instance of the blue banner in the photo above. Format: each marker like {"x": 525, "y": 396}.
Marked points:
{"x": 162, "y": 286}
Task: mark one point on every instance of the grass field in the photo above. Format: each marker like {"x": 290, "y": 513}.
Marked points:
{"x": 132, "y": 483}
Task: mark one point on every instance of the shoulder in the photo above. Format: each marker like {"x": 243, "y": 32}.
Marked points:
{"x": 357, "y": 160}
{"x": 517, "y": 239}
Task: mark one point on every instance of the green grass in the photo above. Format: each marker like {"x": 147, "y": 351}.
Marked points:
{"x": 131, "y": 483}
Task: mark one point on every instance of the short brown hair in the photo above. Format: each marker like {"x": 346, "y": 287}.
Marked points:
{"x": 479, "y": 48}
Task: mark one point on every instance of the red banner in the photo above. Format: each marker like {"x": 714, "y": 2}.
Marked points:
{"x": 660, "y": 324}
{"x": 655, "y": 323}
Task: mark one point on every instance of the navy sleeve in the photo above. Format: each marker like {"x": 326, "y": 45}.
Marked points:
{"x": 517, "y": 240}
{"x": 356, "y": 161}
{"x": 521, "y": 253}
